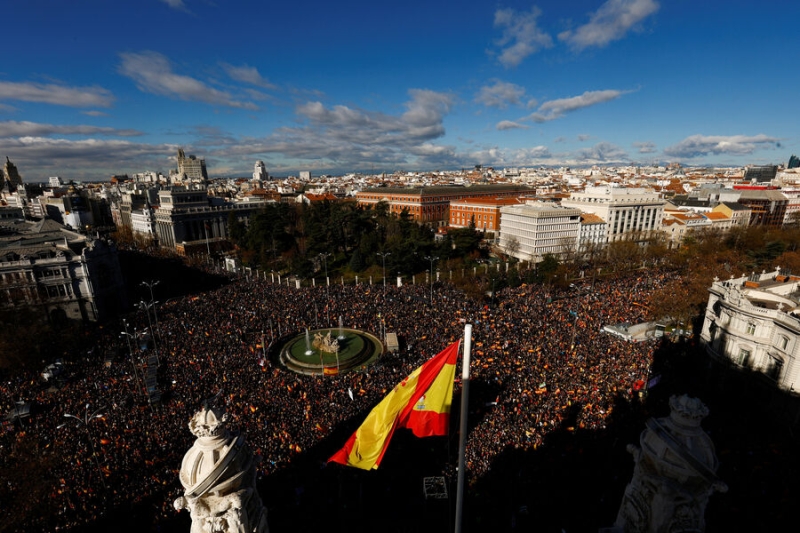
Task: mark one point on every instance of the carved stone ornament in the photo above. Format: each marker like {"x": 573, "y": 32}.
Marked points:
{"x": 218, "y": 475}
{"x": 325, "y": 344}
{"x": 674, "y": 474}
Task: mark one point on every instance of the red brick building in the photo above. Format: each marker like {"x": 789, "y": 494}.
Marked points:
{"x": 483, "y": 212}
{"x": 432, "y": 204}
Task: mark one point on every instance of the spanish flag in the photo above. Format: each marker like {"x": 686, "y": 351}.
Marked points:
{"x": 421, "y": 403}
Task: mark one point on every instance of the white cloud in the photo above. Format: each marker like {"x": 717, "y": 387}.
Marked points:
{"x": 603, "y": 152}
{"x": 584, "y": 137}
{"x": 56, "y": 94}
{"x": 609, "y": 23}
{"x": 345, "y": 137}
{"x": 645, "y": 147}
{"x": 521, "y": 35}
{"x": 152, "y": 73}
{"x": 95, "y": 113}
{"x": 701, "y": 145}
{"x": 500, "y": 95}
{"x": 554, "y": 109}
{"x": 89, "y": 159}
{"x": 11, "y": 128}
{"x": 537, "y": 153}
{"x": 509, "y": 125}
{"x": 247, "y": 74}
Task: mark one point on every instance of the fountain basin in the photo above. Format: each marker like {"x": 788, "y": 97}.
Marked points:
{"x": 357, "y": 350}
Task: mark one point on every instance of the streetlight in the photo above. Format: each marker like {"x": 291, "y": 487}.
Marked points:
{"x": 85, "y": 423}
{"x": 432, "y": 259}
{"x": 128, "y": 337}
{"x": 150, "y": 285}
{"x": 146, "y": 307}
{"x": 325, "y": 257}
{"x": 383, "y": 256}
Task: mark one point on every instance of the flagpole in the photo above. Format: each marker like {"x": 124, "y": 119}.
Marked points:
{"x": 462, "y": 432}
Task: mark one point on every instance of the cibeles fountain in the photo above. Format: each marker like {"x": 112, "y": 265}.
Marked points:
{"x": 674, "y": 475}
{"x": 218, "y": 475}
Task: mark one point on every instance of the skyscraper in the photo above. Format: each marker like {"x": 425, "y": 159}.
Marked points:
{"x": 193, "y": 168}
{"x": 12, "y": 175}
{"x": 260, "y": 171}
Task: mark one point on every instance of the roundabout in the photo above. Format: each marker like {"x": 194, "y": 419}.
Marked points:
{"x": 330, "y": 351}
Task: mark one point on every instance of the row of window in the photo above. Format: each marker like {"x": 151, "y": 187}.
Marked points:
{"x": 773, "y": 369}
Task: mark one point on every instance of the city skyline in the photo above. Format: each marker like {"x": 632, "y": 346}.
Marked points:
{"x": 92, "y": 89}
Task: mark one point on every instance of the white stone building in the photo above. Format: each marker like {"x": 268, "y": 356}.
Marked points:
{"x": 630, "y": 213}
{"x": 530, "y": 231}
{"x": 61, "y": 273}
{"x": 143, "y": 221}
{"x": 260, "y": 172}
{"x": 754, "y": 322}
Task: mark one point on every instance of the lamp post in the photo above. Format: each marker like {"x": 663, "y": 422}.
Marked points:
{"x": 383, "y": 256}
{"x": 128, "y": 337}
{"x": 432, "y": 259}
{"x": 146, "y": 307}
{"x": 85, "y": 423}
{"x": 150, "y": 285}
{"x": 325, "y": 257}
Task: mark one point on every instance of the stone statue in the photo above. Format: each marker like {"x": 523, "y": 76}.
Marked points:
{"x": 325, "y": 344}
{"x": 674, "y": 476}
{"x": 218, "y": 475}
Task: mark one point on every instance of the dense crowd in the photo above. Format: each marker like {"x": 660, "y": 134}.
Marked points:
{"x": 541, "y": 349}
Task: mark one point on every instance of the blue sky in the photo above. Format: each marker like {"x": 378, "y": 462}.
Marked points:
{"x": 91, "y": 88}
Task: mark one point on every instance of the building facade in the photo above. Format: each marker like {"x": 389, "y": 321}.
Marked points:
{"x": 529, "y": 232}
{"x": 192, "y": 168}
{"x": 431, "y": 205}
{"x": 482, "y": 213}
{"x": 767, "y": 207}
{"x": 630, "y": 214}
{"x": 186, "y": 216}
{"x": 63, "y": 274}
{"x": 754, "y": 322}
{"x": 260, "y": 172}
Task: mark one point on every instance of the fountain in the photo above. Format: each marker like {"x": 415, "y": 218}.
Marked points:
{"x": 309, "y": 351}
{"x": 341, "y": 328}
{"x": 329, "y": 351}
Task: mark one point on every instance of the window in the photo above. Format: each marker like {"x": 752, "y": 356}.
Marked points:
{"x": 743, "y": 359}
{"x": 783, "y": 342}
{"x": 774, "y": 369}
{"x": 751, "y": 328}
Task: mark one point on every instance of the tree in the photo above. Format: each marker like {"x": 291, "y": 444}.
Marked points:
{"x": 512, "y": 247}
{"x": 356, "y": 261}
{"x": 236, "y": 228}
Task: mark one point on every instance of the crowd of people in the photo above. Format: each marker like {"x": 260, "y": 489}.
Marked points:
{"x": 540, "y": 348}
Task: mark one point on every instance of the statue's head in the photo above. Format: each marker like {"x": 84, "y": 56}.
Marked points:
{"x": 687, "y": 411}
{"x": 208, "y": 422}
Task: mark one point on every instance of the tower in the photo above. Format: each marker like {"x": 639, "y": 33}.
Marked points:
{"x": 260, "y": 172}
{"x": 12, "y": 175}
{"x": 191, "y": 167}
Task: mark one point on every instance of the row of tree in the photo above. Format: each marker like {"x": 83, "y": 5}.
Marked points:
{"x": 346, "y": 239}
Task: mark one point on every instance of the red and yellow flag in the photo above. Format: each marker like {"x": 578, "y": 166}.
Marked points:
{"x": 421, "y": 403}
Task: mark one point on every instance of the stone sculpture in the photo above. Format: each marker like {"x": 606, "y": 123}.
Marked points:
{"x": 218, "y": 475}
{"x": 674, "y": 476}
